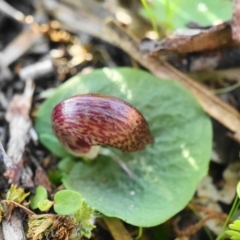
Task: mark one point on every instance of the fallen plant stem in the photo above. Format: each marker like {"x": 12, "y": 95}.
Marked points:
{"x": 13, "y": 227}
{"x": 207, "y": 211}
{"x": 19, "y": 124}
{"x": 208, "y": 232}
{"x": 139, "y": 234}
{"x": 7, "y": 9}
{"x": 25, "y": 209}
{"x": 117, "y": 229}
{"x": 191, "y": 229}
{"x": 196, "y": 227}
{"x": 226, "y": 89}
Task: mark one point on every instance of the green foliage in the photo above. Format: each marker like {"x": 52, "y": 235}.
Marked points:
{"x": 66, "y": 164}
{"x": 232, "y": 212}
{"x": 56, "y": 148}
{"x": 238, "y": 189}
{"x": 45, "y": 205}
{"x": 40, "y": 196}
{"x": 16, "y": 194}
{"x": 85, "y": 218}
{"x": 234, "y": 228}
{"x": 234, "y": 231}
{"x": 55, "y": 176}
{"x": 165, "y": 174}
{"x": 67, "y": 202}
{"x": 175, "y": 14}
{"x": 150, "y": 15}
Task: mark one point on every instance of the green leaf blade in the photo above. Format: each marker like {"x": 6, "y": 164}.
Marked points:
{"x": 67, "y": 202}
{"x": 165, "y": 173}
{"x": 39, "y": 197}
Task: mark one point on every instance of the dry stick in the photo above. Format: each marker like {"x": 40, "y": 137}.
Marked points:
{"x": 18, "y": 117}
{"x": 87, "y": 14}
{"x": 25, "y": 209}
{"x": 11, "y": 11}
{"x": 10, "y": 229}
{"x": 13, "y": 228}
{"x": 37, "y": 70}
{"x": 192, "y": 229}
{"x": 19, "y": 124}
{"x": 117, "y": 229}
{"x": 20, "y": 45}
{"x": 214, "y": 106}
{"x": 4, "y": 157}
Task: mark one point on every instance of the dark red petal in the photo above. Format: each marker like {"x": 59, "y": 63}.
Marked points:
{"x": 95, "y": 119}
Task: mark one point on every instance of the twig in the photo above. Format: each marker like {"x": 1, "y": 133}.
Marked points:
{"x": 117, "y": 229}
{"x": 6, "y": 74}
{"x": 18, "y": 118}
{"x": 208, "y": 211}
{"x": 88, "y": 14}
{"x": 4, "y": 157}
{"x": 192, "y": 229}
{"x": 25, "y": 209}
{"x": 13, "y": 228}
{"x": 37, "y": 70}
{"x": 20, "y": 45}
{"x": 19, "y": 123}
{"x": 41, "y": 178}
{"x": 11, "y": 11}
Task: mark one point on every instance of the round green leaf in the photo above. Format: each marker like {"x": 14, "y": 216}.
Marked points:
{"x": 67, "y": 202}
{"x": 45, "y": 205}
{"x": 40, "y": 196}
{"x": 166, "y": 173}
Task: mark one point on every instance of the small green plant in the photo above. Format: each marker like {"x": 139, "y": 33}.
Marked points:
{"x": 233, "y": 228}
{"x": 72, "y": 218}
{"x": 167, "y": 170}
{"x": 67, "y": 202}
{"x": 226, "y": 89}
{"x": 39, "y": 200}
{"x": 16, "y": 194}
{"x": 150, "y": 15}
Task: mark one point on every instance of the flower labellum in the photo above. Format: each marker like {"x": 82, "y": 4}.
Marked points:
{"x": 87, "y": 120}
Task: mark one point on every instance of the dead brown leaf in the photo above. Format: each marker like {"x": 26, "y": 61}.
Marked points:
{"x": 216, "y": 37}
